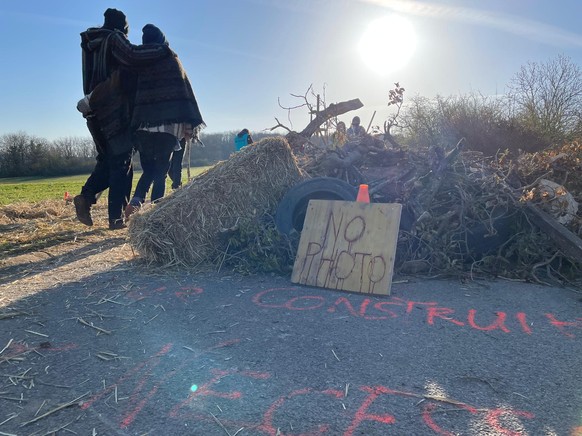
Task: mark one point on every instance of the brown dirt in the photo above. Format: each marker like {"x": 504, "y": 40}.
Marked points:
{"x": 42, "y": 245}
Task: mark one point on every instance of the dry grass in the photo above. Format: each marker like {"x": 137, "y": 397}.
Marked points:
{"x": 43, "y": 245}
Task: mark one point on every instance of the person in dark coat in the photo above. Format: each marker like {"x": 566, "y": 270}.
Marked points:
{"x": 165, "y": 112}
{"x": 109, "y": 61}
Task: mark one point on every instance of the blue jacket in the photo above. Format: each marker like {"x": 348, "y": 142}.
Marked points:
{"x": 241, "y": 141}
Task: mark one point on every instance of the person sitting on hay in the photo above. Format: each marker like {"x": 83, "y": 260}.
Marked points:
{"x": 242, "y": 139}
{"x": 165, "y": 112}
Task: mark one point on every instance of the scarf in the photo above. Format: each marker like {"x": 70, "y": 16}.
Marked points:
{"x": 95, "y": 63}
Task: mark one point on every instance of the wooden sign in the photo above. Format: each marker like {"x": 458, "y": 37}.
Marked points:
{"x": 348, "y": 245}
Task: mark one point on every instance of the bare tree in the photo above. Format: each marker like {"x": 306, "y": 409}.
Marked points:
{"x": 13, "y": 153}
{"x": 322, "y": 116}
{"x": 74, "y": 147}
{"x": 548, "y": 97}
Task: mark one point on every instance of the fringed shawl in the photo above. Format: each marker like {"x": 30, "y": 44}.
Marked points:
{"x": 164, "y": 96}
{"x": 111, "y": 104}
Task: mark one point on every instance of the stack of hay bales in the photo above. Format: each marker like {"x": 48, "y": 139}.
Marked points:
{"x": 185, "y": 227}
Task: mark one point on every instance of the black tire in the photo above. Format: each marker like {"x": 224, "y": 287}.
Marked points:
{"x": 292, "y": 208}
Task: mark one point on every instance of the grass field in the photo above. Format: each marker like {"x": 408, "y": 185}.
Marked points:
{"x": 34, "y": 189}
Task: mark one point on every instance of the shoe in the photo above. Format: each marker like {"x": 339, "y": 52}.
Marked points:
{"x": 130, "y": 209}
{"x": 83, "y": 210}
{"x": 117, "y": 225}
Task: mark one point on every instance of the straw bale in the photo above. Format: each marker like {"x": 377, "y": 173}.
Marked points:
{"x": 185, "y": 227}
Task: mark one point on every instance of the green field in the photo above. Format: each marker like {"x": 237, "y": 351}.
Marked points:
{"x": 34, "y": 189}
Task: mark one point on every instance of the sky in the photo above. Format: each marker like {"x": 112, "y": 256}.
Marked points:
{"x": 248, "y": 59}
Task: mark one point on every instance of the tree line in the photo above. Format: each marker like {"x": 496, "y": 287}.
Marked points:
{"x": 24, "y": 155}
{"x": 542, "y": 107}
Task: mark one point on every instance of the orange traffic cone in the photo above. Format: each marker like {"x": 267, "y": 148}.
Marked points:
{"x": 363, "y": 194}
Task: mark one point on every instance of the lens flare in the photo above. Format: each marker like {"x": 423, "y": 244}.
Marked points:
{"x": 388, "y": 44}
{"x": 193, "y": 388}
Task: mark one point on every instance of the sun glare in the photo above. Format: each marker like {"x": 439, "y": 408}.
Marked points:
{"x": 388, "y": 44}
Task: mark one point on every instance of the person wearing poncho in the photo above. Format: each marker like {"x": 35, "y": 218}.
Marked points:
{"x": 165, "y": 112}
{"x": 108, "y": 59}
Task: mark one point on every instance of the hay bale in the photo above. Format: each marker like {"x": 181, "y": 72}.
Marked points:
{"x": 185, "y": 227}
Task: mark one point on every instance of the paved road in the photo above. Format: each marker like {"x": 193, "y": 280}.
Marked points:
{"x": 122, "y": 354}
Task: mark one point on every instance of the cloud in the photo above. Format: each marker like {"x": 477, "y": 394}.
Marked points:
{"x": 513, "y": 24}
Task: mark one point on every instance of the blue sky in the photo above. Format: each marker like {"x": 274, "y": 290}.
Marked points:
{"x": 242, "y": 56}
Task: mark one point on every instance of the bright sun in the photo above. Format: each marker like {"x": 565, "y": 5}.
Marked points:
{"x": 388, "y": 44}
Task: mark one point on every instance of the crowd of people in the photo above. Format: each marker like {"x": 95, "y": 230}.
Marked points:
{"x": 136, "y": 97}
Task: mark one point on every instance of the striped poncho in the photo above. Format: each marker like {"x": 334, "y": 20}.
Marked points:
{"x": 164, "y": 96}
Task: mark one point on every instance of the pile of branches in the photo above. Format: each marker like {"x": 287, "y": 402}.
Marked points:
{"x": 468, "y": 211}
{"x": 465, "y": 214}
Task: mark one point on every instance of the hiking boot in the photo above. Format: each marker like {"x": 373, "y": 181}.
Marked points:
{"x": 117, "y": 225}
{"x": 83, "y": 210}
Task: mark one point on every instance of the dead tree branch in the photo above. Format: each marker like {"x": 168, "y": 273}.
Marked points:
{"x": 297, "y": 140}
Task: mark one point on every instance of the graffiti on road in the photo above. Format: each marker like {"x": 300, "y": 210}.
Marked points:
{"x": 365, "y": 408}
{"x": 402, "y": 309}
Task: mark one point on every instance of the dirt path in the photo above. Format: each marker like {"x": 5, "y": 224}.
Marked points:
{"x": 43, "y": 245}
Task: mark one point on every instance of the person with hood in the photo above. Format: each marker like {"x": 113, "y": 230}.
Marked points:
{"x": 242, "y": 139}
{"x": 109, "y": 62}
{"x": 356, "y": 130}
{"x": 165, "y": 112}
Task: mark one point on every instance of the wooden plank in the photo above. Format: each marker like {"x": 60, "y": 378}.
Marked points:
{"x": 348, "y": 245}
{"x": 568, "y": 242}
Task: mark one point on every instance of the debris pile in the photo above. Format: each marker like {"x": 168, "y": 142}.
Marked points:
{"x": 474, "y": 216}
{"x": 464, "y": 214}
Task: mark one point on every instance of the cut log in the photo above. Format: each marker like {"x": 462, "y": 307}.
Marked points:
{"x": 333, "y": 110}
{"x": 297, "y": 140}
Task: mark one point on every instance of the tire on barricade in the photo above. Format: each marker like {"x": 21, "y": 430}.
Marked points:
{"x": 292, "y": 208}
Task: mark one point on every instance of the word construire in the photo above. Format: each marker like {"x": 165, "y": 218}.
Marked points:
{"x": 397, "y": 308}
{"x": 368, "y": 406}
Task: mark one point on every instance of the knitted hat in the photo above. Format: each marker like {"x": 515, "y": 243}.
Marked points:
{"x": 153, "y": 35}
{"x": 115, "y": 20}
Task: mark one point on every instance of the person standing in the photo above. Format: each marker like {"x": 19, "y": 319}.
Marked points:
{"x": 108, "y": 63}
{"x": 165, "y": 112}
